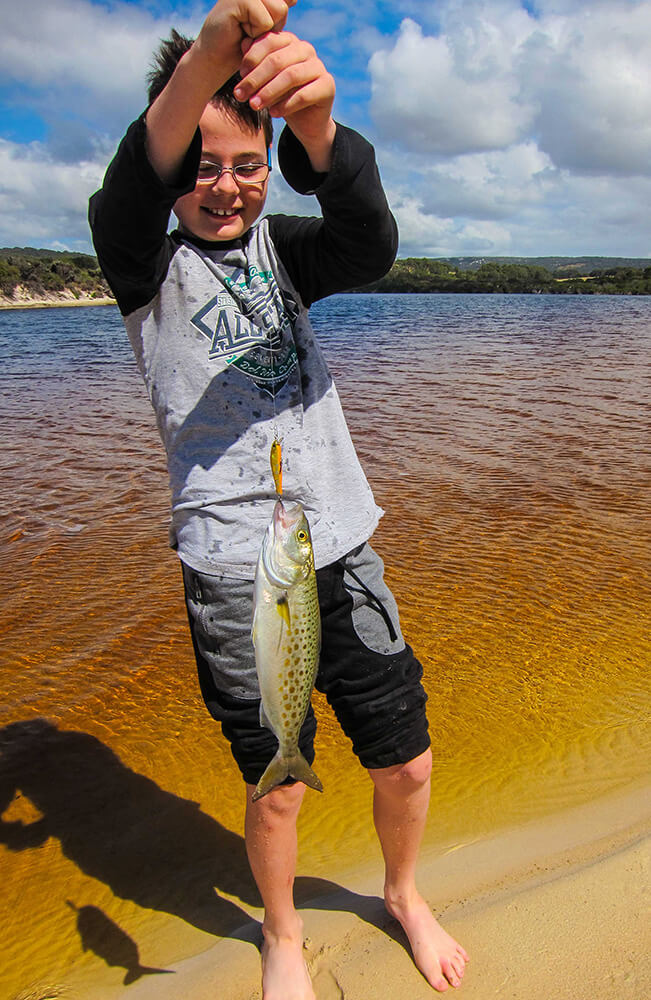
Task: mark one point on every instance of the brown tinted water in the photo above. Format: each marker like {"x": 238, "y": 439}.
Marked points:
{"x": 507, "y": 439}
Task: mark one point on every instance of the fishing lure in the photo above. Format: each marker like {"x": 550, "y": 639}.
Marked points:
{"x": 276, "y": 462}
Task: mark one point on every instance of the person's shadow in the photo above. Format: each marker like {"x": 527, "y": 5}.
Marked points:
{"x": 148, "y": 845}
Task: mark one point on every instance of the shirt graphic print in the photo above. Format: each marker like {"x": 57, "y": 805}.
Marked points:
{"x": 249, "y": 325}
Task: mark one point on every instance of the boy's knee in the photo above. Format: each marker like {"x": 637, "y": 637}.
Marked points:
{"x": 281, "y": 803}
{"x": 419, "y": 770}
{"x": 405, "y": 778}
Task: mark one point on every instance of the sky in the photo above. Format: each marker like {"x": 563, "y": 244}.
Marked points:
{"x": 501, "y": 127}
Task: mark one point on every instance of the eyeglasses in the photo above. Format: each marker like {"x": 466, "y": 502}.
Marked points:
{"x": 243, "y": 173}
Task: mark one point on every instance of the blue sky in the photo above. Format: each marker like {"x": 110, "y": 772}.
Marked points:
{"x": 501, "y": 126}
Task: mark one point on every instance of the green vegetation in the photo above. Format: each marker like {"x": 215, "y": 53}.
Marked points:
{"x": 41, "y": 272}
{"x": 566, "y": 277}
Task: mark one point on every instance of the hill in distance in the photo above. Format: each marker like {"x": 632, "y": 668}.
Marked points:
{"x": 581, "y": 265}
{"x": 34, "y": 272}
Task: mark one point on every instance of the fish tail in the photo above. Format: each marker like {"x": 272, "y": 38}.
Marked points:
{"x": 284, "y": 766}
{"x": 142, "y": 970}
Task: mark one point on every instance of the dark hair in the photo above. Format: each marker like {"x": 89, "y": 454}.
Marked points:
{"x": 165, "y": 61}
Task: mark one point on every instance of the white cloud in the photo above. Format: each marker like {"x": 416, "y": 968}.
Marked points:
{"x": 43, "y": 202}
{"x": 75, "y": 43}
{"x": 77, "y": 60}
{"x": 521, "y": 129}
{"x": 448, "y": 94}
{"x": 577, "y": 83}
{"x": 488, "y": 185}
{"x": 561, "y": 214}
{"x": 591, "y": 81}
{"x": 423, "y": 233}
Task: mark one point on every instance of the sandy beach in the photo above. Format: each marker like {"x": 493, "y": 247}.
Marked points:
{"x": 556, "y": 908}
{"x": 63, "y": 299}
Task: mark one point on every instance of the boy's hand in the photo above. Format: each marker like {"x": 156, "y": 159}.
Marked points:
{"x": 284, "y": 74}
{"x": 172, "y": 118}
{"x": 231, "y": 21}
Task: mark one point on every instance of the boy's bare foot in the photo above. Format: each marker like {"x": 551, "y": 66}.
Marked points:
{"x": 437, "y": 955}
{"x": 284, "y": 972}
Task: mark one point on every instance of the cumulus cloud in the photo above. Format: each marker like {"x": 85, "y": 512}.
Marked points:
{"x": 591, "y": 81}
{"x": 578, "y": 83}
{"x": 43, "y": 202}
{"x": 423, "y": 233}
{"x": 488, "y": 185}
{"x": 518, "y": 128}
{"x": 449, "y": 94}
{"x": 79, "y": 61}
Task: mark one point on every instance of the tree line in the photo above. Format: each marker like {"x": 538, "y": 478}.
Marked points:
{"x": 45, "y": 271}
{"x": 41, "y": 272}
{"x": 423, "y": 274}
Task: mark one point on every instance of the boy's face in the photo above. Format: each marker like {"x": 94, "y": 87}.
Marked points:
{"x": 224, "y": 210}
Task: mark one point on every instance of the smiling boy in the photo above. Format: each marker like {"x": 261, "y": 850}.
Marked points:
{"x": 217, "y": 314}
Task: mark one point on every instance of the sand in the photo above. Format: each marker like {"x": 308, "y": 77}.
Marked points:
{"x": 553, "y": 909}
{"x": 63, "y": 299}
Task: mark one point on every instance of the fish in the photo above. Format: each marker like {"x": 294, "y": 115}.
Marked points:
{"x": 286, "y": 634}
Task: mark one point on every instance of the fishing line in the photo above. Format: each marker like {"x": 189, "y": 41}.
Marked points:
{"x": 249, "y": 307}
{"x": 276, "y": 451}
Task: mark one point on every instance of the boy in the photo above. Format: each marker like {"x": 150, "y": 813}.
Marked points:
{"x": 217, "y": 316}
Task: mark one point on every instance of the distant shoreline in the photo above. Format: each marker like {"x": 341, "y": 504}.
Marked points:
{"x": 54, "y": 303}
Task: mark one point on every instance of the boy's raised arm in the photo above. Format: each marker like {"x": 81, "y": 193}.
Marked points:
{"x": 216, "y": 54}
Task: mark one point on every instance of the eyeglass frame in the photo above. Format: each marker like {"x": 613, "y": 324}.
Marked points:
{"x": 221, "y": 169}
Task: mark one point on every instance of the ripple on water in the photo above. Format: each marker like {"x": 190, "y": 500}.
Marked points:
{"x": 507, "y": 439}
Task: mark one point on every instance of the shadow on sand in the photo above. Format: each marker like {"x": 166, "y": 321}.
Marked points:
{"x": 108, "y": 941}
{"x": 148, "y": 845}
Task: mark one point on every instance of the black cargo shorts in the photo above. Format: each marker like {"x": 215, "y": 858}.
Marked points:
{"x": 367, "y": 672}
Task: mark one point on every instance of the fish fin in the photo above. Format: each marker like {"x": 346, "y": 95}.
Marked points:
{"x": 282, "y": 607}
{"x": 301, "y": 770}
{"x": 254, "y": 623}
{"x": 275, "y": 774}
{"x": 264, "y": 720}
{"x": 282, "y": 767}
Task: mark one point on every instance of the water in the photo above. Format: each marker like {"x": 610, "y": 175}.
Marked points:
{"x": 507, "y": 437}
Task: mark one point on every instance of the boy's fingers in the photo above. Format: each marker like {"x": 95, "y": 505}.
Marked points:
{"x": 310, "y": 95}
{"x": 260, "y": 16}
{"x": 270, "y": 44}
{"x": 296, "y": 88}
{"x": 274, "y": 64}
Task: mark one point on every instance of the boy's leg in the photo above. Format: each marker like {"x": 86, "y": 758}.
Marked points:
{"x": 219, "y": 611}
{"x": 271, "y": 844}
{"x": 373, "y": 682}
{"x": 400, "y": 803}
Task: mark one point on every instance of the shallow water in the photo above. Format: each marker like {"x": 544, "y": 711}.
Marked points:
{"x": 507, "y": 438}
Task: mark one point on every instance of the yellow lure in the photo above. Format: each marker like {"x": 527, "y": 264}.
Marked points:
{"x": 276, "y": 462}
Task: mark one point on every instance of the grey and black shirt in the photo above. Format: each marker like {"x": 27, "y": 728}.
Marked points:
{"x": 223, "y": 341}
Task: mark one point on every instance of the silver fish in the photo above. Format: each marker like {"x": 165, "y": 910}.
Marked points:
{"x": 287, "y": 639}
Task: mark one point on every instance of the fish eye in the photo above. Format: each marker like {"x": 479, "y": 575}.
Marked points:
{"x": 301, "y": 535}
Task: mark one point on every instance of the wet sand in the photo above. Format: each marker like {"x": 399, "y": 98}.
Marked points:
{"x": 554, "y": 908}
